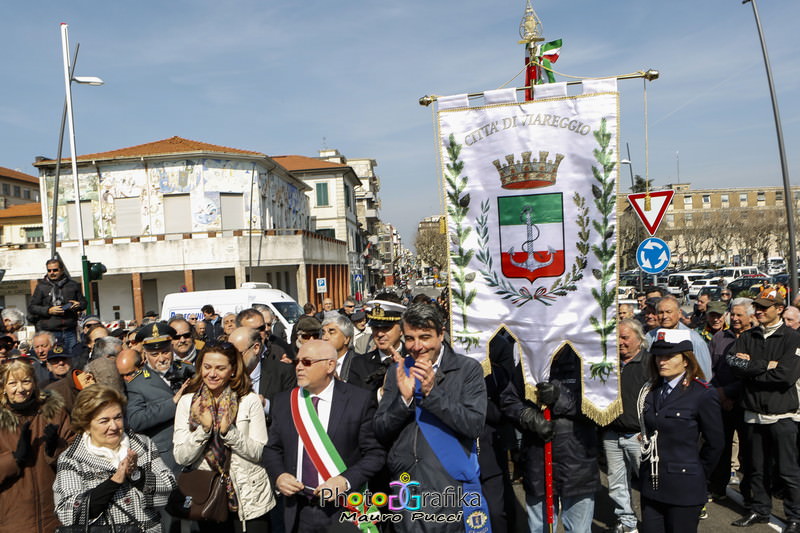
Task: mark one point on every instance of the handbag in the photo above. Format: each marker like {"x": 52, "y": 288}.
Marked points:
{"x": 200, "y": 495}
{"x": 93, "y": 526}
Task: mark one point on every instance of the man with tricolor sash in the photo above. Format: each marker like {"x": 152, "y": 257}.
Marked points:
{"x": 321, "y": 443}
{"x": 431, "y": 414}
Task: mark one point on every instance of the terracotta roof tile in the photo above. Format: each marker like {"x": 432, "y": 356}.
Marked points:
{"x": 299, "y": 162}
{"x": 22, "y": 210}
{"x": 173, "y": 145}
{"x": 17, "y": 175}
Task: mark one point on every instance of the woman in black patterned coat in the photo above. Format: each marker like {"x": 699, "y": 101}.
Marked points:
{"x": 108, "y": 471}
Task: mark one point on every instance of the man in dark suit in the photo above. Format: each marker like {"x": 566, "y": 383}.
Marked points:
{"x": 345, "y": 413}
{"x": 368, "y": 370}
{"x": 338, "y": 331}
{"x": 269, "y": 376}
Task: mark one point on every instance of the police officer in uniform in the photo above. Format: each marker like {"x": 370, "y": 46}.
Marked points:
{"x": 368, "y": 370}
{"x": 154, "y": 391}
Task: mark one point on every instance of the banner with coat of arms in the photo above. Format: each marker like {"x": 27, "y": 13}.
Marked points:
{"x": 531, "y": 207}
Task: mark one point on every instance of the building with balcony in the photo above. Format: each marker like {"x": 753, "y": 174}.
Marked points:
{"x": 180, "y": 215}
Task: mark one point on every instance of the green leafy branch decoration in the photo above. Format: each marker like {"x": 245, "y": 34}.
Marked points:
{"x": 560, "y": 287}
{"x": 605, "y": 200}
{"x": 457, "y": 209}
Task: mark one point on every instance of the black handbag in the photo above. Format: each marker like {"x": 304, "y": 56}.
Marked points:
{"x": 89, "y": 526}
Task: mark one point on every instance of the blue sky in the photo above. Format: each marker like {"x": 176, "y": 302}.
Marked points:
{"x": 285, "y": 77}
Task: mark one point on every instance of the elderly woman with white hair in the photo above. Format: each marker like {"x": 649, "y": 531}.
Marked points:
{"x": 13, "y": 319}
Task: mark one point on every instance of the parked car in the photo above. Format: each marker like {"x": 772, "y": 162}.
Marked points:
{"x": 698, "y": 284}
{"x": 675, "y": 281}
{"x": 750, "y": 285}
{"x": 714, "y": 292}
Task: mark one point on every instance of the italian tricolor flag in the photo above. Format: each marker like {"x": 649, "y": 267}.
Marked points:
{"x": 532, "y": 223}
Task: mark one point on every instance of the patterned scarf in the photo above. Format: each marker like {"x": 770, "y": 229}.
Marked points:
{"x": 217, "y": 454}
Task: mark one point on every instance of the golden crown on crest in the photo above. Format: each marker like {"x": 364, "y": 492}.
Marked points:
{"x": 527, "y": 174}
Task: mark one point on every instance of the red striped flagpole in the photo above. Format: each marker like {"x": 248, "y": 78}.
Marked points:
{"x": 548, "y": 476}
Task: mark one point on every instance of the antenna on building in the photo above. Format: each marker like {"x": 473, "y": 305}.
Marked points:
{"x": 324, "y": 143}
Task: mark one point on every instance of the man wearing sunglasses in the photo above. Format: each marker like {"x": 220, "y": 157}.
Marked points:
{"x": 56, "y": 304}
{"x": 432, "y": 411}
{"x": 384, "y": 315}
{"x": 340, "y": 417}
{"x": 184, "y": 347}
{"x": 271, "y": 346}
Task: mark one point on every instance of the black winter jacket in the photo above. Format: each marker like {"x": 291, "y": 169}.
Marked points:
{"x": 770, "y": 391}
{"x": 48, "y": 294}
{"x": 632, "y": 377}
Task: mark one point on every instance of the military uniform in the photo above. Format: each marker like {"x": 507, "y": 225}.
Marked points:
{"x": 151, "y": 410}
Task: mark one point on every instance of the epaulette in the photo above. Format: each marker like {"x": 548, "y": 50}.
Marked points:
{"x": 703, "y": 383}
{"x": 139, "y": 373}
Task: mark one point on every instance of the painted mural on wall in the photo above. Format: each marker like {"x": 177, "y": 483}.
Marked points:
{"x": 284, "y": 205}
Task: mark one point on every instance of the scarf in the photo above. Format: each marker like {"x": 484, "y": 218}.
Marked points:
{"x": 217, "y": 454}
{"x": 56, "y": 290}
{"x": 114, "y": 457}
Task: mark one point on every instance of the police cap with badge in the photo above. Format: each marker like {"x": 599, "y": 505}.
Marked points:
{"x": 384, "y": 314}
{"x": 671, "y": 341}
{"x": 156, "y": 337}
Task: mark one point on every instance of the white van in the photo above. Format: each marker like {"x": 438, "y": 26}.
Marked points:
{"x": 675, "y": 281}
{"x": 729, "y": 274}
{"x": 232, "y": 301}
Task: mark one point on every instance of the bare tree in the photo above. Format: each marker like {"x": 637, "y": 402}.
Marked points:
{"x": 432, "y": 247}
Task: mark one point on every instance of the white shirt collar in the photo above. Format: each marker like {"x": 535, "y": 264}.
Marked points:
{"x": 327, "y": 393}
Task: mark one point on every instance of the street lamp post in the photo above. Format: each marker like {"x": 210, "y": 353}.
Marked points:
{"x": 787, "y": 189}
{"x": 633, "y": 185}
{"x": 68, "y": 79}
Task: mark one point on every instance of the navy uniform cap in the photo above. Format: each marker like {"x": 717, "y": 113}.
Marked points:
{"x": 382, "y": 313}
{"x": 58, "y": 351}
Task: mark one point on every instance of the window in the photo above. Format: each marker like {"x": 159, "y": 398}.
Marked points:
{"x": 26, "y": 194}
{"x": 670, "y": 220}
{"x": 36, "y": 196}
{"x": 322, "y": 194}
{"x": 724, "y": 199}
{"x": 86, "y": 216}
{"x": 761, "y": 198}
{"x": 177, "y": 213}
{"x": 743, "y": 199}
{"x": 34, "y": 234}
{"x": 688, "y": 220}
{"x": 347, "y": 196}
{"x": 327, "y": 232}
{"x": 706, "y": 201}
{"x": 687, "y": 201}
{"x": 778, "y": 196}
{"x": 232, "y": 208}
{"x": 7, "y": 189}
{"x": 128, "y": 215}
{"x": 17, "y": 191}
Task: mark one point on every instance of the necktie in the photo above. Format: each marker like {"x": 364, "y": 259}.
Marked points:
{"x": 310, "y": 476}
{"x": 665, "y": 390}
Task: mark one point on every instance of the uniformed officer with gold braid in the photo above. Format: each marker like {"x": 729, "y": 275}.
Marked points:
{"x": 154, "y": 391}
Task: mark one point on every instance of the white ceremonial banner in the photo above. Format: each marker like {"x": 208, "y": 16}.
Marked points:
{"x": 531, "y": 200}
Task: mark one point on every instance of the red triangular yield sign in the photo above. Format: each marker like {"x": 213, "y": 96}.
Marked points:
{"x": 659, "y": 201}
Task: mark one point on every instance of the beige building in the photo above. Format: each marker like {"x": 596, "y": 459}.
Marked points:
{"x": 17, "y": 188}
{"x": 723, "y": 226}
{"x": 180, "y": 215}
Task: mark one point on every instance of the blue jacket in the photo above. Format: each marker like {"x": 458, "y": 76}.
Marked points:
{"x": 685, "y": 465}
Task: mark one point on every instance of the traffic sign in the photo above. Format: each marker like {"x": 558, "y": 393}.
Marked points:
{"x": 653, "y": 255}
{"x": 358, "y": 278}
{"x": 322, "y": 285}
{"x": 659, "y": 201}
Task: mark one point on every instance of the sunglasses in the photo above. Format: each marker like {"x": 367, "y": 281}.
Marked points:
{"x": 182, "y": 336}
{"x": 306, "y": 336}
{"x": 307, "y": 362}
{"x": 262, "y": 327}
{"x": 54, "y": 270}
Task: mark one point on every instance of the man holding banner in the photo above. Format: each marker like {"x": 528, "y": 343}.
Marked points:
{"x": 321, "y": 442}
{"x": 431, "y": 414}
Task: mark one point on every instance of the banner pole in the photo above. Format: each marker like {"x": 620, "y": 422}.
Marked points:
{"x": 548, "y": 477}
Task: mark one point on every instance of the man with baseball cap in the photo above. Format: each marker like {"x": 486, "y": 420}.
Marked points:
{"x": 59, "y": 363}
{"x": 714, "y": 320}
{"x": 767, "y": 360}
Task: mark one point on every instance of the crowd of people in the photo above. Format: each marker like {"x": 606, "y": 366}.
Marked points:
{"x": 231, "y": 423}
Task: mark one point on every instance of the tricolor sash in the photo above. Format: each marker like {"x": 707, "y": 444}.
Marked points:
{"x": 320, "y": 448}
{"x": 460, "y": 466}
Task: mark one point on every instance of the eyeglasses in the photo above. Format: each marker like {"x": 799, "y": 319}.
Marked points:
{"x": 54, "y": 270}
{"x": 182, "y": 336}
{"x": 306, "y": 336}
{"x": 349, "y": 306}
{"x": 308, "y": 362}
